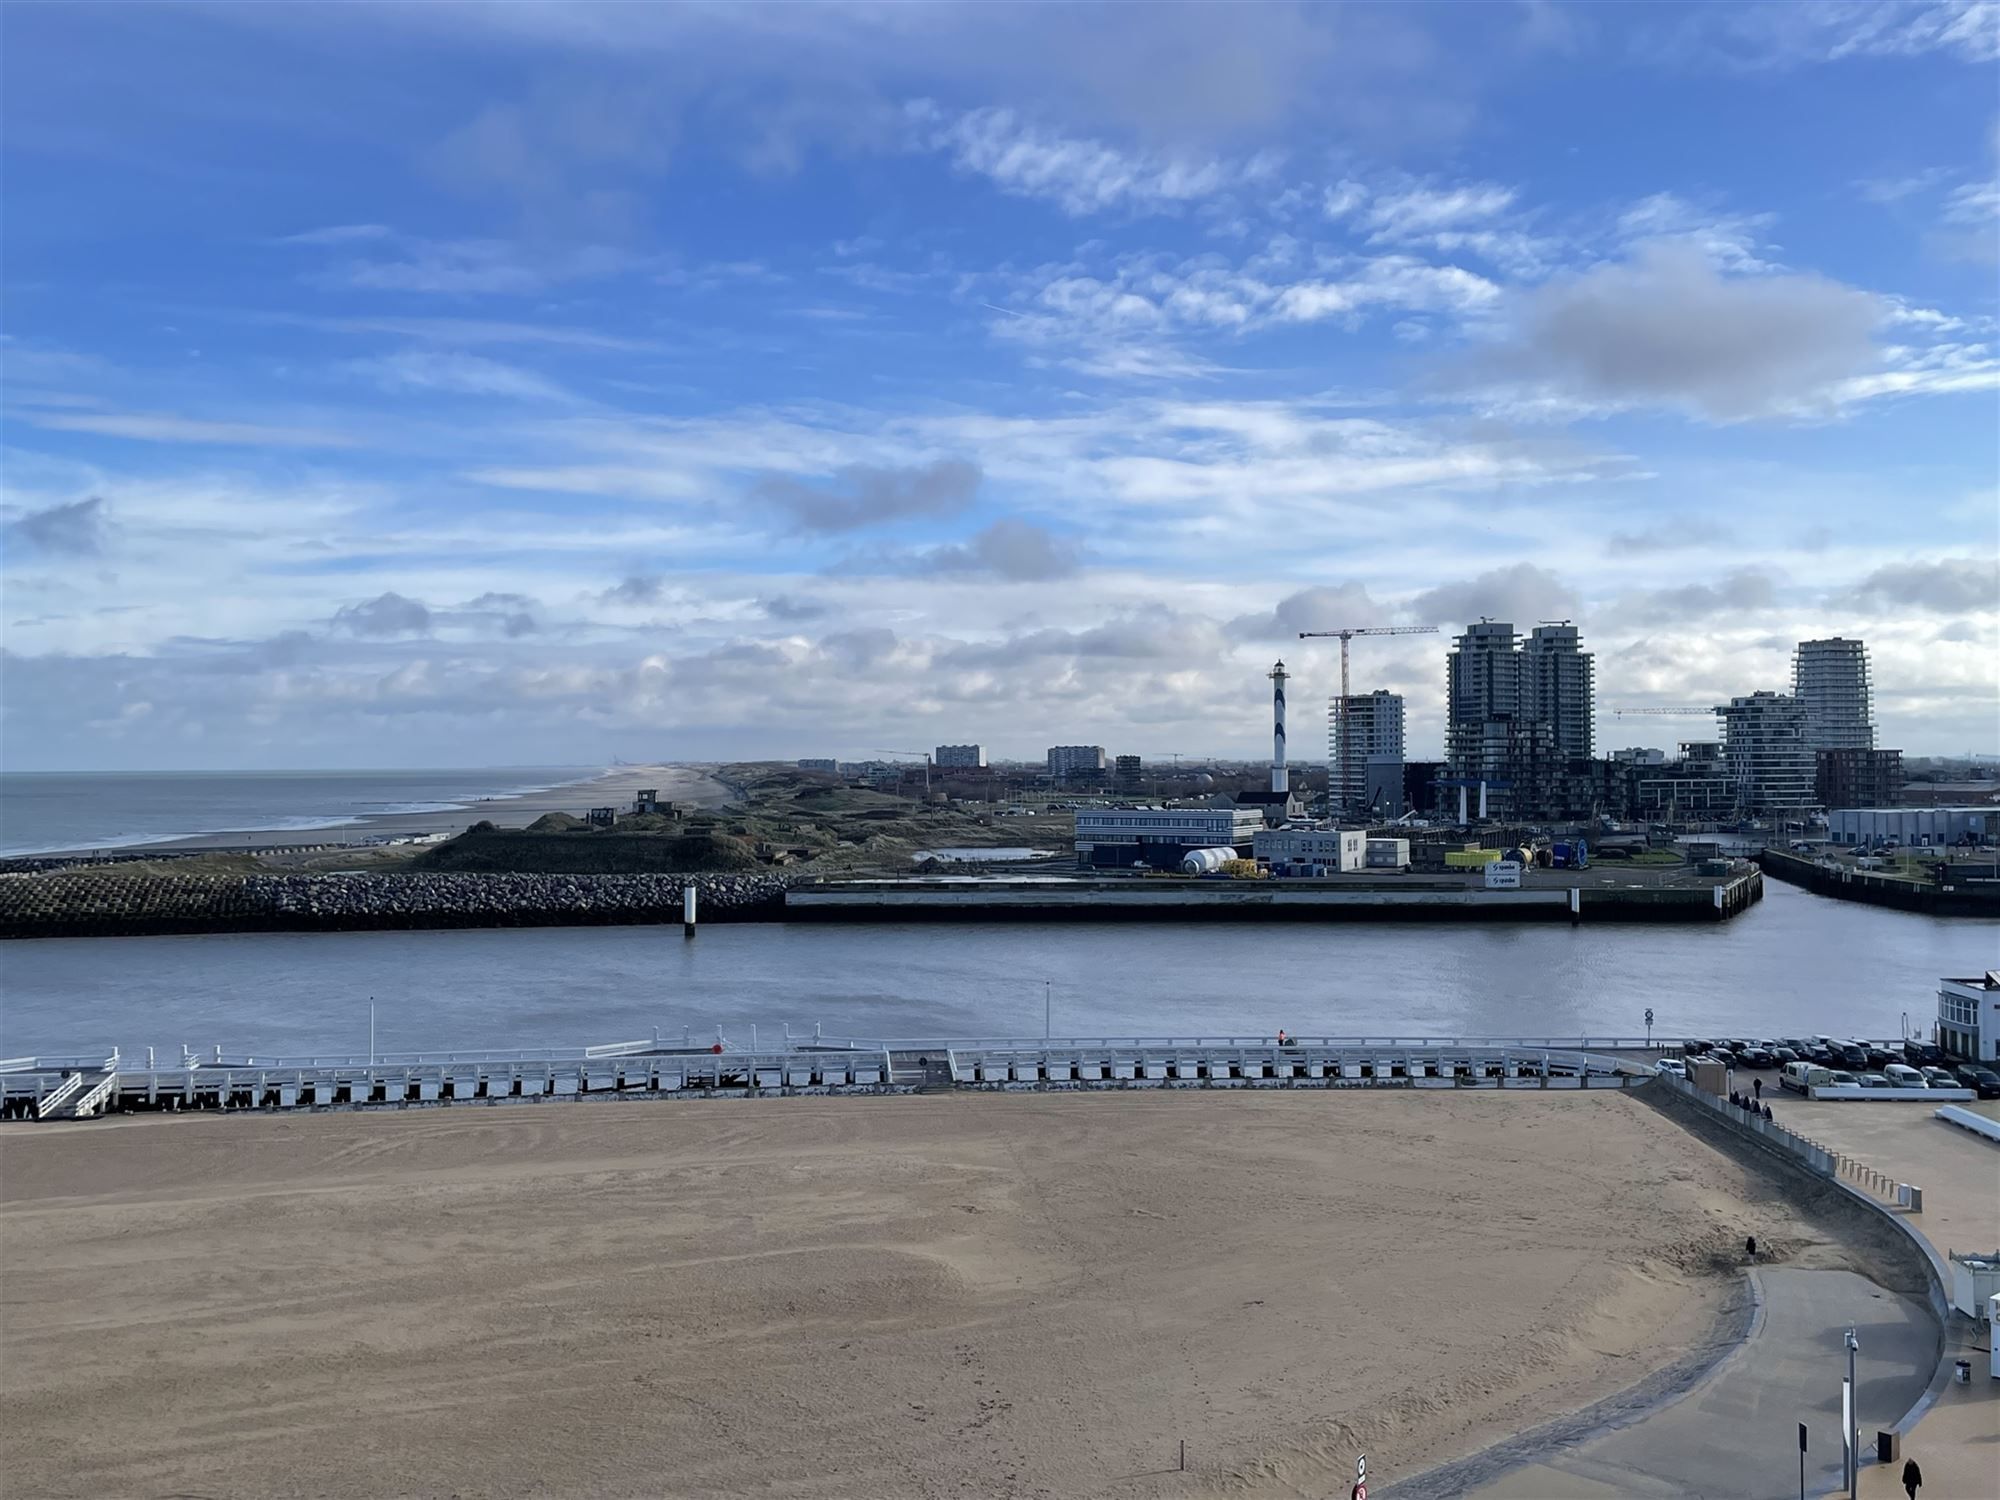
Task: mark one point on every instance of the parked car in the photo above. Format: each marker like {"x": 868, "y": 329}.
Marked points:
{"x": 1695, "y": 1046}
{"x": 1821, "y": 1055}
{"x": 1785, "y": 1055}
{"x": 1854, "y": 1059}
{"x": 1982, "y": 1081}
{"x": 1903, "y": 1076}
{"x": 1755, "y": 1057}
{"x": 1803, "y": 1077}
{"x": 1879, "y": 1057}
{"x": 1940, "y": 1078}
{"x": 1875, "y": 1081}
{"x": 1840, "y": 1078}
{"x": 1671, "y": 1065}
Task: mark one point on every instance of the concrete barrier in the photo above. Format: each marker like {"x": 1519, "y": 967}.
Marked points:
{"x": 1965, "y": 1119}
{"x": 1839, "y": 1091}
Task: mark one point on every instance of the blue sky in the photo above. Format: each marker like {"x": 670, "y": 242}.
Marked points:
{"x": 518, "y": 383}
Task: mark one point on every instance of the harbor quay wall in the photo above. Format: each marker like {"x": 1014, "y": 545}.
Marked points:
{"x": 1261, "y": 901}
{"x": 1964, "y": 899}
{"x": 91, "y": 904}
{"x": 101, "y": 903}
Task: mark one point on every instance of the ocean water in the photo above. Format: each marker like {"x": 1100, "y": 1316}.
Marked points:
{"x": 41, "y": 812}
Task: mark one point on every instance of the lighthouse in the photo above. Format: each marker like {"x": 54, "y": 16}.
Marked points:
{"x": 1281, "y": 781}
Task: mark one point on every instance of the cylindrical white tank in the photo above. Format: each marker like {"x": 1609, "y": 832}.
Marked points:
{"x": 1205, "y": 861}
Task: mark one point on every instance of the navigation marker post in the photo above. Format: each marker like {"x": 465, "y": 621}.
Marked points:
{"x": 1802, "y": 1461}
{"x": 1649, "y": 1026}
{"x": 1360, "y": 1490}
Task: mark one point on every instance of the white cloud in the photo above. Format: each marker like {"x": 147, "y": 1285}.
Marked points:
{"x": 153, "y": 427}
{"x": 457, "y": 374}
{"x": 1080, "y": 176}
{"x": 1425, "y": 209}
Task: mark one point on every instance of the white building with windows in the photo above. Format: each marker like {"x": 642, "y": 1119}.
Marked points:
{"x": 1969, "y": 1017}
{"x": 1328, "y": 848}
{"x": 960, "y": 758}
{"x": 1118, "y": 838}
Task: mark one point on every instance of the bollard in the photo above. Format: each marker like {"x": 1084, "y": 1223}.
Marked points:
{"x": 687, "y": 910}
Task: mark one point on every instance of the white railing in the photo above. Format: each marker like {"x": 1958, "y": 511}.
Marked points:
{"x": 58, "y": 1096}
{"x": 1266, "y": 1039}
{"x": 91, "y": 1102}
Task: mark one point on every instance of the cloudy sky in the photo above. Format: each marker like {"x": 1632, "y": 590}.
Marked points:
{"x": 511, "y": 384}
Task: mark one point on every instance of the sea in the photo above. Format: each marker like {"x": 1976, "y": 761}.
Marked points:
{"x": 44, "y": 812}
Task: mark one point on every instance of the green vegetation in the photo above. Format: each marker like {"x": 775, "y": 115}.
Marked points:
{"x": 779, "y": 818}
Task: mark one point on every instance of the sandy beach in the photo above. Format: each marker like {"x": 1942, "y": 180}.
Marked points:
{"x": 685, "y": 784}
{"x": 926, "y": 1296}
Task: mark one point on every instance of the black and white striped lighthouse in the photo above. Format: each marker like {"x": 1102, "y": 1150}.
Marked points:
{"x": 1281, "y": 779}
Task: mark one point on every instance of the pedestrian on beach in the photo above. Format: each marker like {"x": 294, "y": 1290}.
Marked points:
{"x": 1750, "y": 1247}
{"x": 1913, "y": 1478}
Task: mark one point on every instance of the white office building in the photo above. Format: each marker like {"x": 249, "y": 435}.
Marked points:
{"x": 1969, "y": 1016}
{"x": 1830, "y": 678}
{"x": 1298, "y": 849}
{"x": 1159, "y": 837}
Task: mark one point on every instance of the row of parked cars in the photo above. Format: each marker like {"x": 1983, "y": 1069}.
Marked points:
{"x": 1913, "y": 1065}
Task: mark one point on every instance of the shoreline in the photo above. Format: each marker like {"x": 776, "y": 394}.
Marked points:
{"x": 677, "y": 782}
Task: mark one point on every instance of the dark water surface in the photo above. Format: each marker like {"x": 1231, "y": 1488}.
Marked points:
{"x": 1794, "y": 963}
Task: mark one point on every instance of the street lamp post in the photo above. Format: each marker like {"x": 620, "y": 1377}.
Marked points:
{"x": 1048, "y": 1009}
{"x": 1852, "y": 1418}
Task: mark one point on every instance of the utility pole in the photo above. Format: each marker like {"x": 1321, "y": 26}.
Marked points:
{"x": 1048, "y": 1009}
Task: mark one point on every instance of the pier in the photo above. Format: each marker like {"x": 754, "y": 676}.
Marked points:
{"x": 87, "y": 1086}
{"x": 1558, "y": 897}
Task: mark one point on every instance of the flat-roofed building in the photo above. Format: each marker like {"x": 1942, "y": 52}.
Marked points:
{"x": 1118, "y": 838}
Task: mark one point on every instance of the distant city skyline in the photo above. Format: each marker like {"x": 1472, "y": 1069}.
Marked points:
{"x": 411, "y": 385}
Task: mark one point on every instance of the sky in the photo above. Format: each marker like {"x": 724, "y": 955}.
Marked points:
{"x": 522, "y": 384}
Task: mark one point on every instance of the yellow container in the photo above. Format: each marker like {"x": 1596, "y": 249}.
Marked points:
{"x": 1470, "y": 859}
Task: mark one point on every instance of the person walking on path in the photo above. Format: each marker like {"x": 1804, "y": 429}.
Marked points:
{"x": 1758, "y": 1085}
{"x": 1913, "y": 1478}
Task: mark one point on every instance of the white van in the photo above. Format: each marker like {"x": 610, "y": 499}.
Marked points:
{"x": 1905, "y": 1077}
{"x": 1803, "y": 1077}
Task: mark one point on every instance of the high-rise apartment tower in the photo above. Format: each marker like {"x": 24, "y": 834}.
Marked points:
{"x": 1830, "y": 678}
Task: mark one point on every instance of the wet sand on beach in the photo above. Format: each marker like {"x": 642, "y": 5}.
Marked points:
{"x": 923, "y": 1296}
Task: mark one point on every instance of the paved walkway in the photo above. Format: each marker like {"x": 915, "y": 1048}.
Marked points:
{"x": 1736, "y": 1436}
{"x": 1957, "y": 1444}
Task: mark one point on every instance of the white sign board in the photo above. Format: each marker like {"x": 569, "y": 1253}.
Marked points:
{"x": 1503, "y": 875}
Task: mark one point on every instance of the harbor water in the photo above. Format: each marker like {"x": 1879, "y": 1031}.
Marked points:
{"x": 1794, "y": 963}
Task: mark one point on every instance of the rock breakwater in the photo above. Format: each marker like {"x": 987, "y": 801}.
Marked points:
{"x": 102, "y": 904}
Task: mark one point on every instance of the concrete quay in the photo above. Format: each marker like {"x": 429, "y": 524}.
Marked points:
{"x": 1558, "y": 897}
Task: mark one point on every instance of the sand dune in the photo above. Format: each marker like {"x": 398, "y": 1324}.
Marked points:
{"x": 930, "y": 1296}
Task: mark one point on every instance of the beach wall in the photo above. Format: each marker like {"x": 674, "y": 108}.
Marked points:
{"x": 102, "y": 904}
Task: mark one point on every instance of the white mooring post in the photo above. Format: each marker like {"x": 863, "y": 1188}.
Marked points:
{"x": 687, "y": 910}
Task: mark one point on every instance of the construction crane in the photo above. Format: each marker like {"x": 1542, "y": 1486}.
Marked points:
{"x": 927, "y": 764}
{"x": 1662, "y": 713}
{"x": 1175, "y": 754}
{"x": 1344, "y": 636}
